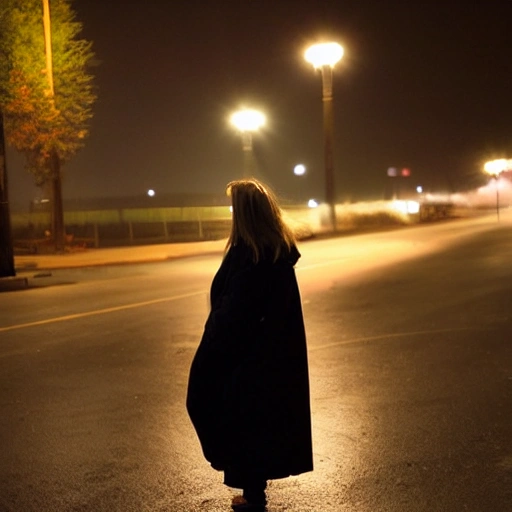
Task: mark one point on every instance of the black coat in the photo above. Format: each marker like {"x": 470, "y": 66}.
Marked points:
{"x": 248, "y": 391}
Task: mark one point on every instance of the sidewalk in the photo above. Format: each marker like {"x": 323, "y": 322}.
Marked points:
{"x": 32, "y": 265}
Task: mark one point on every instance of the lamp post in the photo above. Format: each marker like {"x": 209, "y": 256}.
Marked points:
{"x": 247, "y": 122}
{"x": 58, "y": 227}
{"x": 324, "y": 56}
{"x": 495, "y": 168}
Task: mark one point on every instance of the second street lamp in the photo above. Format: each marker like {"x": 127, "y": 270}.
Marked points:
{"x": 495, "y": 168}
{"x": 324, "y": 56}
{"x": 246, "y": 122}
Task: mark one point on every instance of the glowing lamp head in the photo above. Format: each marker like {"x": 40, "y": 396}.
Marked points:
{"x": 496, "y": 167}
{"x": 299, "y": 170}
{"x": 324, "y": 54}
{"x": 248, "y": 120}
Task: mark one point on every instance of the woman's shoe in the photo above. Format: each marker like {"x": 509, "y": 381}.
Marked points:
{"x": 240, "y": 504}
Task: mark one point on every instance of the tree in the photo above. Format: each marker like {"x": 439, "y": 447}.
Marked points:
{"x": 46, "y": 107}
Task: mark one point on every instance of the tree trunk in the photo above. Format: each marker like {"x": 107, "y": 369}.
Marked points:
{"x": 58, "y": 230}
{"x": 6, "y": 249}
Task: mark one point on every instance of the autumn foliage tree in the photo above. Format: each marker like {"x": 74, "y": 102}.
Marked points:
{"x": 46, "y": 109}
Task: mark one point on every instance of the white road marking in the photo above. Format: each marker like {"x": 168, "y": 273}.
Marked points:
{"x": 387, "y": 336}
{"x": 99, "y": 311}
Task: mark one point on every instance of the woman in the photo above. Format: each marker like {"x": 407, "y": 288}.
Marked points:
{"x": 248, "y": 392}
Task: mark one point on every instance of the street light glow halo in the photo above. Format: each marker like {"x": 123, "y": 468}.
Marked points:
{"x": 324, "y": 54}
{"x": 248, "y": 120}
{"x": 299, "y": 170}
{"x": 496, "y": 167}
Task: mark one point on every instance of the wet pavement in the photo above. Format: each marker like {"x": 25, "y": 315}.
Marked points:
{"x": 410, "y": 370}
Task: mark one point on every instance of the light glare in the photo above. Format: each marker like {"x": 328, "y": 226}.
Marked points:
{"x": 299, "y": 170}
{"x": 496, "y": 167}
{"x": 406, "y": 207}
{"x": 324, "y": 54}
{"x": 248, "y": 120}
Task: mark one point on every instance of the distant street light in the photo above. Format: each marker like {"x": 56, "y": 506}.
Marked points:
{"x": 300, "y": 171}
{"x": 495, "y": 168}
{"x": 324, "y": 56}
{"x": 246, "y": 122}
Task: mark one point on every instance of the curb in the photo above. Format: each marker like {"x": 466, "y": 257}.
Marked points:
{"x": 8, "y": 284}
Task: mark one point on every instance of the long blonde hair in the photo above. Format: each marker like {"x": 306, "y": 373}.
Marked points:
{"x": 257, "y": 219}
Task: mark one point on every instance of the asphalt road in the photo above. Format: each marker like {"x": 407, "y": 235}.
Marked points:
{"x": 410, "y": 343}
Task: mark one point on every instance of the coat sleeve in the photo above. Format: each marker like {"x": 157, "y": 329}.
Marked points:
{"x": 236, "y": 315}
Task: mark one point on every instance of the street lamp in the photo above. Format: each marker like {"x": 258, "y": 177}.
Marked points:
{"x": 495, "y": 168}
{"x": 324, "y": 56}
{"x": 247, "y": 122}
{"x": 300, "y": 171}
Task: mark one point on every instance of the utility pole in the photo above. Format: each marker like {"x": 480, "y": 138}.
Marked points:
{"x": 6, "y": 248}
{"x": 58, "y": 229}
{"x": 48, "y": 45}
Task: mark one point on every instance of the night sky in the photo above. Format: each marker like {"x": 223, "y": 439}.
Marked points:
{"x": 423, "y": 85}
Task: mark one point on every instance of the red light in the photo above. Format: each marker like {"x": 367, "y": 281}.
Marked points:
{"x": 406, "y": 172}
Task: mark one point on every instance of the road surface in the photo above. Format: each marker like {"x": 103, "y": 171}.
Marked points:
{"x": 410, "y": 348}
